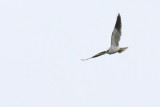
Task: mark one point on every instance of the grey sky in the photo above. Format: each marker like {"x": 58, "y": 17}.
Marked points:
{"x": 42, "y": 42}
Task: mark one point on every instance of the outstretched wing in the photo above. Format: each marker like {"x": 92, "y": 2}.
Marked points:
{"x": 97, "y": 55}
{"x": 116, "y": 34}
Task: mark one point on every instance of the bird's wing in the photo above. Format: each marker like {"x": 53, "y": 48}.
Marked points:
{"x": 116, "y": 34}
{"x": 97, "y": 55}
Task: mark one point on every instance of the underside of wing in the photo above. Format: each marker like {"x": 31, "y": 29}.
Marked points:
{"x": 97, "y": 55}
{"x": 116, "y": 34}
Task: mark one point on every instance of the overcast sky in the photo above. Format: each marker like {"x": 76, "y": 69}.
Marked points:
{"x": 42, "y": 43}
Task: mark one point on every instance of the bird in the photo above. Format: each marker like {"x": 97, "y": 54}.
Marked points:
{"x": 115, "y": 38}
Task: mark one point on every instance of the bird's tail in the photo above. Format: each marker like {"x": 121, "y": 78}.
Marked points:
{"x": 122, "y": 49}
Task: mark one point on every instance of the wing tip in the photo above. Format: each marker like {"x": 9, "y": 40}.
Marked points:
{"x": 118, "y": 22}
{"x": 86, "y": 59}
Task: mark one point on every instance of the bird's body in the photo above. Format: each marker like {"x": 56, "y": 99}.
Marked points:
{"x": 116, "y": 35}
{"x": 113, "y": 50}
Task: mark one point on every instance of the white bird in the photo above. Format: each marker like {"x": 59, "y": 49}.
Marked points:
{"x": 116, "y": 35}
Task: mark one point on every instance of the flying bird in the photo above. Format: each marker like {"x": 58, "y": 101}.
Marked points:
{"x": 115, "y": 38}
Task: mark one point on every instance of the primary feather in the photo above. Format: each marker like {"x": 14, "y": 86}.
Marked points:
{"x": 116, "y": 34}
